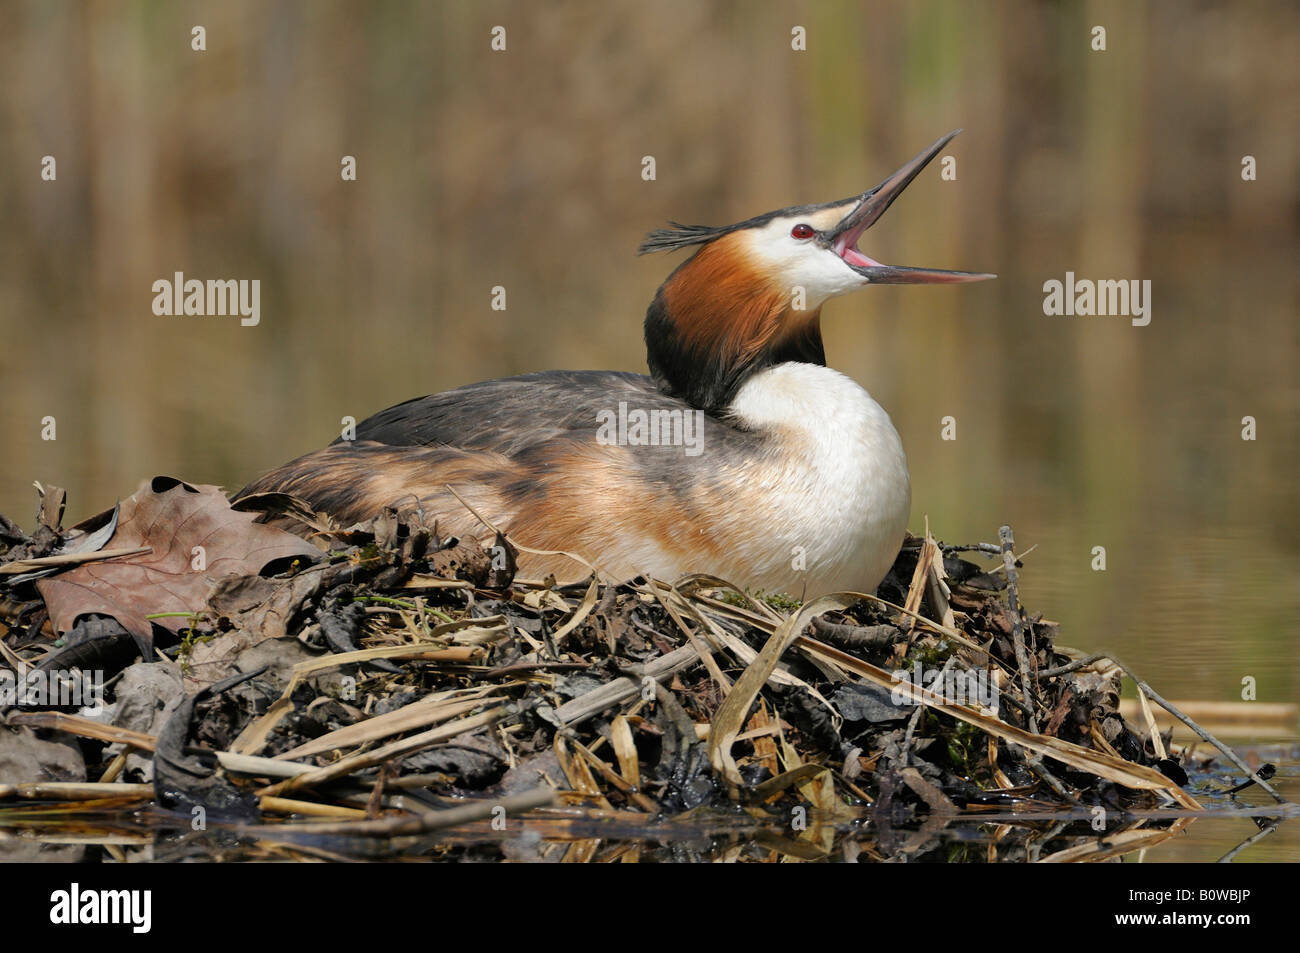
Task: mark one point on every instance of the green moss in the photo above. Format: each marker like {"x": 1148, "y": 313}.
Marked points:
{"x": 929, "y": 654}
{"x": 780, "y": 600}
{"x": 965, "y": 744}
{"x": 777, "y": 600}
{"x": 188, "y": 641}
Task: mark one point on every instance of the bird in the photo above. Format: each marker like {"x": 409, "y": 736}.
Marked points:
{"x": 741, "y": 455}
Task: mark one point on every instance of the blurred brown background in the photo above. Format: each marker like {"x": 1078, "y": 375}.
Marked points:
{"x": 522, "y": 169}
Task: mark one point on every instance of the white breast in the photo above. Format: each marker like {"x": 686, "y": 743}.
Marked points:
{"x": 832, "y": 493}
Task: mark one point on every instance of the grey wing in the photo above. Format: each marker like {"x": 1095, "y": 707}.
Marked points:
{"x": 512, "y": 414}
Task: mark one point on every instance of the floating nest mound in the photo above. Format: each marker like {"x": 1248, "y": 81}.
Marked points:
{"x": 382, "y": 689}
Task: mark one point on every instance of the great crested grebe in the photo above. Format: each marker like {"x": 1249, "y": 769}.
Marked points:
{"x": 742, "y": 455}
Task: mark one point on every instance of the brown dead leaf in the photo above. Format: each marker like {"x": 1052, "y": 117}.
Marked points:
{"x": 172, "y": 518}
{"x": 262, "y": 608}
{"x": 211, "y": 660}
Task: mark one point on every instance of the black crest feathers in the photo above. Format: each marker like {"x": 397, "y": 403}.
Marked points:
{"x": 682, "y": 236}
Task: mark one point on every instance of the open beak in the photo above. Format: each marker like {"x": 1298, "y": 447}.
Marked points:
{"x": 843, "y": 238}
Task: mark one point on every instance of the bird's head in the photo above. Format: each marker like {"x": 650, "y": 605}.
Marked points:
{"x": 751, "y": 295}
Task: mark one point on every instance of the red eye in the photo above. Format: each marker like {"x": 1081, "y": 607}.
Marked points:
{"x": 803, "y": 231}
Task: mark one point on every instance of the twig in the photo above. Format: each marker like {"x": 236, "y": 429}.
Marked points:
{"x": 1169, "y": 707}
{"x": 396, "y": 749}
{"x": 1036, "y": 765}
{"x": 1252, "y": 839}
{"x": 989, "y": 548}
{"x": 1017, "y": 622}
{"x": 620, "y": 689}
{"x": 1034, "y": 761}
{"x": 68, "y": 559}
{"x": 907, "y": 738}
{"x": 1070, "y": 667}
{"x": 911, "y": 725}
{"x": 1204, "y": 735}
{"x": 74, "y": 791}
{"x": 405, "y": 825}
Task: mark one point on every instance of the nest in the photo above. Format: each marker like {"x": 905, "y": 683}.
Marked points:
{"x": 387, "y": 690}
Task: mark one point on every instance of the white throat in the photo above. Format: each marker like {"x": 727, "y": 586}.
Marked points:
{"x": 833, "y": 490}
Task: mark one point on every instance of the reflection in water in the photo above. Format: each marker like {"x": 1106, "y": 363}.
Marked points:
{"x": 1231, "y": 830}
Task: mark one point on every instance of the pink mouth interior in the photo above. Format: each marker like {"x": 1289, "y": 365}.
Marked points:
{"x": 844, "y": 248}
{"x": 855, "y": 257}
